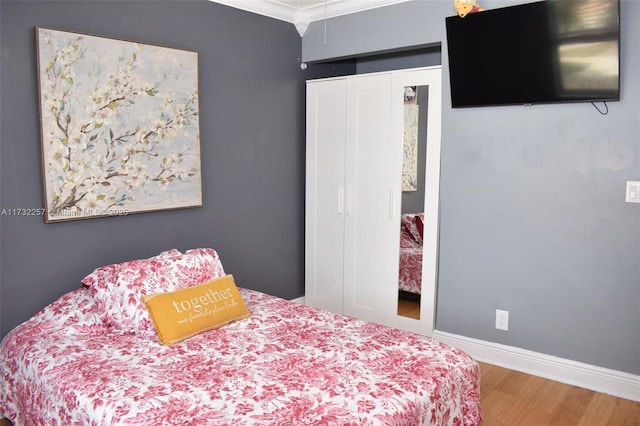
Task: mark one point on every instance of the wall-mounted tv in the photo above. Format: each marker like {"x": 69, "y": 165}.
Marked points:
{"x": 533, "y": 53}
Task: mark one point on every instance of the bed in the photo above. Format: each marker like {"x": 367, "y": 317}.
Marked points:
{"x": 410, "y": 270}
{"x": 285, "y": 364}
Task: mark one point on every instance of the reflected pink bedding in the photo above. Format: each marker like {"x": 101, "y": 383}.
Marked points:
{"x": 410, "y": 276}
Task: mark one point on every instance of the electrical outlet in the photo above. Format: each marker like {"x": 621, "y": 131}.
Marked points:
{"x": 633, "y": 192}
{"x": 502, "y": 320}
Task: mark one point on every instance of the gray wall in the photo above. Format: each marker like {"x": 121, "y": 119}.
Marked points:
{"x": 533, "y": 218}
{"x": 252, "y": 144}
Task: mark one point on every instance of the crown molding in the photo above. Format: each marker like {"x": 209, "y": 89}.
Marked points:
{"x": 330, "y": 9}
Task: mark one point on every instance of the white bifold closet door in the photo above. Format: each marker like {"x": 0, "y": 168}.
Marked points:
{"x": 325, "y": 194}
{"x": 373, "y": 183}
{"x": 354, "y": 164}
{"x": 353, "y": 169}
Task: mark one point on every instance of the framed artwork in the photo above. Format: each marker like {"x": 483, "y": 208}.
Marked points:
{"x": 410, "y": 95}
{"x": 119, "y": 125}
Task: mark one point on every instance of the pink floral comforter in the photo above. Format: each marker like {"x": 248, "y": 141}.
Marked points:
{"x": 288, "y": 364}
{"x": 410, "y": 276}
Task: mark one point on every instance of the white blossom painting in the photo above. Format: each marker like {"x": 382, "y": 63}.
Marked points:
{"x": 119, "y": 126}
{"x": 410, "y": 148}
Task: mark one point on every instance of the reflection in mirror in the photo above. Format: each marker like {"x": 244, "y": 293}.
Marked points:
{"x": 413, "y": 190}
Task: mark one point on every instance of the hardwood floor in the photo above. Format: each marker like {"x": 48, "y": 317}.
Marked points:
{"x": 409, "y": 305}
{"x": 512, "y": 398}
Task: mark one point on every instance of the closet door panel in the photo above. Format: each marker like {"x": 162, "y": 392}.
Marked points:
{"x": 325, "y": 189}
{"x": 354, "y": 201}
{"x": 371, "y": 241}
{"x": 427, "y": 83}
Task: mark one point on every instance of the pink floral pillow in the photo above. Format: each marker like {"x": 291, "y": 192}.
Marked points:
{"x": 419, "y": 221}
{"x": 414, "y": 223}
{"x": 118, "y": 288}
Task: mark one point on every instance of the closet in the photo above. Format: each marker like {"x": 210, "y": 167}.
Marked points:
{"x": 354, "y": 192}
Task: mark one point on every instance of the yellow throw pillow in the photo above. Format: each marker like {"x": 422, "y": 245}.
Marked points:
{"x": 180, "y": 314}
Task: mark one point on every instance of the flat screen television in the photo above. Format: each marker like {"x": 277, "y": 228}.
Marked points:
{"x": 535, "y": 53}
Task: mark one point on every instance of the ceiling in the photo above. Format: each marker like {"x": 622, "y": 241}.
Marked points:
{"x": 296, "y": 11}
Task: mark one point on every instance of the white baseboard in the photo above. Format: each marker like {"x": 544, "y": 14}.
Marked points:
{"x": 604, "y": 380}
{"x": 298, "y": 300}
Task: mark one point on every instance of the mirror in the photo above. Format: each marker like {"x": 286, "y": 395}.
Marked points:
{"x": 415, "y": 104}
